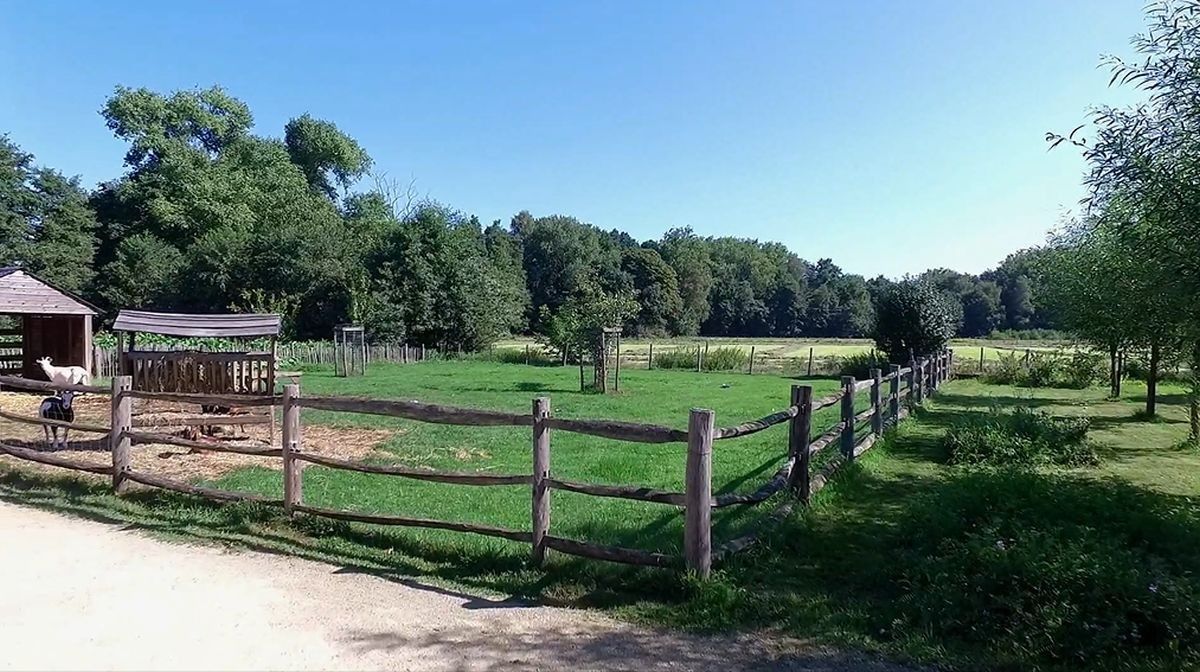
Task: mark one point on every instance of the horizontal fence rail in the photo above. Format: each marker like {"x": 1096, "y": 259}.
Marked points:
{"x": 891, "y": 398}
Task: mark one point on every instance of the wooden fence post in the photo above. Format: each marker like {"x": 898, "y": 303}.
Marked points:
{"x": 810, "y": 350}
{"x": 949, "y": 364}
{"x": 876, "y": 402}
{"x": 699, "y": 358}
{"x": 848, "y": 417}
{"x": 526, "y": 354}
{"x": 981, "y": 359}
{"x": 541, "y": 472}
{"x": 798, "y": 436}
{"x": 121, "y": 422}
{"x": 697, "y": 530}
{"x": 752, "y": 360}
{"x": 911, "y": 379}
{"x": 894, "y": 394}
{"x": 293, "y": 474}
{"x": 919, "y": 382}
{"x": 650, "y": 358}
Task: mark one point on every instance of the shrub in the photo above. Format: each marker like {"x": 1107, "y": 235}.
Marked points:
{"x": 1022, "y": 437}
{"x": 914, "y": 318}
{"x": 537, "y": 356}
{"x": 722, "y": 358}
{"x": 1052, "y": 571}
{"x": 1027, "y": 335}
{"x": 1042, "y": 369}
{"x": 679, "y": 358}
{"x": 726, "y": 358}
{"x": 859, "y": 364}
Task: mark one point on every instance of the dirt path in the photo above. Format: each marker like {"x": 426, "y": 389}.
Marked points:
{"x": 84, "y": 595}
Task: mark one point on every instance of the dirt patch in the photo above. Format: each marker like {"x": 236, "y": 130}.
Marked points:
{"x": 173, "y": 461}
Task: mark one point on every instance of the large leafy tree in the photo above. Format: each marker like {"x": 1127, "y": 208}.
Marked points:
{"x": 46, "y": 224}
{"x": 248, "y": 227}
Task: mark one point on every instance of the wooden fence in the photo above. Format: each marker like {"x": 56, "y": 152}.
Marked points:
{"x": 890, "y": 398}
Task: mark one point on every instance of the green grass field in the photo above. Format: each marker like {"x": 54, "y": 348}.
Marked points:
{"x": 659, "y": 397}
{"x": 836, "y": 574}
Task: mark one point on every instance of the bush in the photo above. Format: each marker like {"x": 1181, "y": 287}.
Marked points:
{"x": 723, "y": 358}
{"x": 859, "y": 364}
{"x": 1019, "y": 438}
{"x": 1042, "y": 369}
{"x": 537, "y": 356}
{"x": 914, "y": 318}
{"x": 726, "y": 358}
{"x": 1027, "y": 335}
{"x": 1053, "y": 571}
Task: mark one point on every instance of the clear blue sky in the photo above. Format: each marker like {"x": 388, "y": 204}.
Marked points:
{"x": 891, "y": 136}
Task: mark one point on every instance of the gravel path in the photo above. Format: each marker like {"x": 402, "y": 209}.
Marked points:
{"x": 84, "y": 595}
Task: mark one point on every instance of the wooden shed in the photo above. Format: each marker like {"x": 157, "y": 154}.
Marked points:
{"x": 54, "y": 323}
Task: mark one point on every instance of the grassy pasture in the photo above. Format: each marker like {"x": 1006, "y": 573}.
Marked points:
{"x": 796, "y": 350}
{"x": 659, "y": 397}
{"x": 835, "y": 574}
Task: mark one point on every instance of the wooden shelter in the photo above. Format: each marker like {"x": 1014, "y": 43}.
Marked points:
{"x": 54, "y": 323}
{"x": 237, "y": 372}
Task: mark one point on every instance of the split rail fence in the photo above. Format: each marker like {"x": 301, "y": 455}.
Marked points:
{"x": 891, "y": 395}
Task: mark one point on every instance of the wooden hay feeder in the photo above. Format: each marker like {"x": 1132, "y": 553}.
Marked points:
{"x": 240, "y": 372}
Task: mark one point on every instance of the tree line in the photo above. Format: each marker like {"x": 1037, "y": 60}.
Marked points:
{"x": 208, "y": 217}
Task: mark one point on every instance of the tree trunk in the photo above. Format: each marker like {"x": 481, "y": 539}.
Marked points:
{"x": 1194, "y": 395}
{"x": 1152, "y": 380}
{"x": 1116, "y": 383}
{"x": 1112, "y": 371}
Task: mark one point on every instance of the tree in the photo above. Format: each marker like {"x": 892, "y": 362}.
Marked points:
{"x": 575, "y": 327}
{"x": 982, "y": 309}
{"x": 328, "y": 157}
{"x": 46, "y": 224}
{"x": 1148, "y": 155}
{"x": 913, "y": 319}
{"x": 656, "y": 290}
{"x": 688, "y": 255}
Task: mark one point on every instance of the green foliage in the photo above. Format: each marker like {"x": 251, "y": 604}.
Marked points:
{"x": 576, "y": 327}
{"x": 721, "y": 358}
{"x": 328, "y": 157}
{"x": 913, "y": 319}
{"x": 45, "y": 223}
{"x": 212, "y": 216}
{"x": 1022, "y": 438}
{"x": 1027, "y": 335}
{"x": 859, "y": 364}
{"x": 1078, "y": 370}
{"x": 1050, "y": 570}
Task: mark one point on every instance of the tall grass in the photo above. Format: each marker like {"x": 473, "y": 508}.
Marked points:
{"x": 722, "y": 358}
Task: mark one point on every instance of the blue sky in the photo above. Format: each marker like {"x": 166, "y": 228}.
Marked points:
{"x": 890, "y": 136}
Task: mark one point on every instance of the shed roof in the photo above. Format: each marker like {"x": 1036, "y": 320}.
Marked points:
{"x": 180, "y": 324}
{"x": 23, "y": 293}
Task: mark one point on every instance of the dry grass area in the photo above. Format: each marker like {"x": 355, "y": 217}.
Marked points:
{"x": 173, "y": 461}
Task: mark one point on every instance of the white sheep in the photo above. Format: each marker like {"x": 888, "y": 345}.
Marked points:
{"x": 65, "y": 375}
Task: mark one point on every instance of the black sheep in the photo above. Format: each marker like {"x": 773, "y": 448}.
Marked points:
{"x": 57, "y": 408}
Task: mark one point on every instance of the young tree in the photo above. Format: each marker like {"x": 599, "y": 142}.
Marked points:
{"x": 913, "y": 319}
{"x": 1148, "y": 155}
